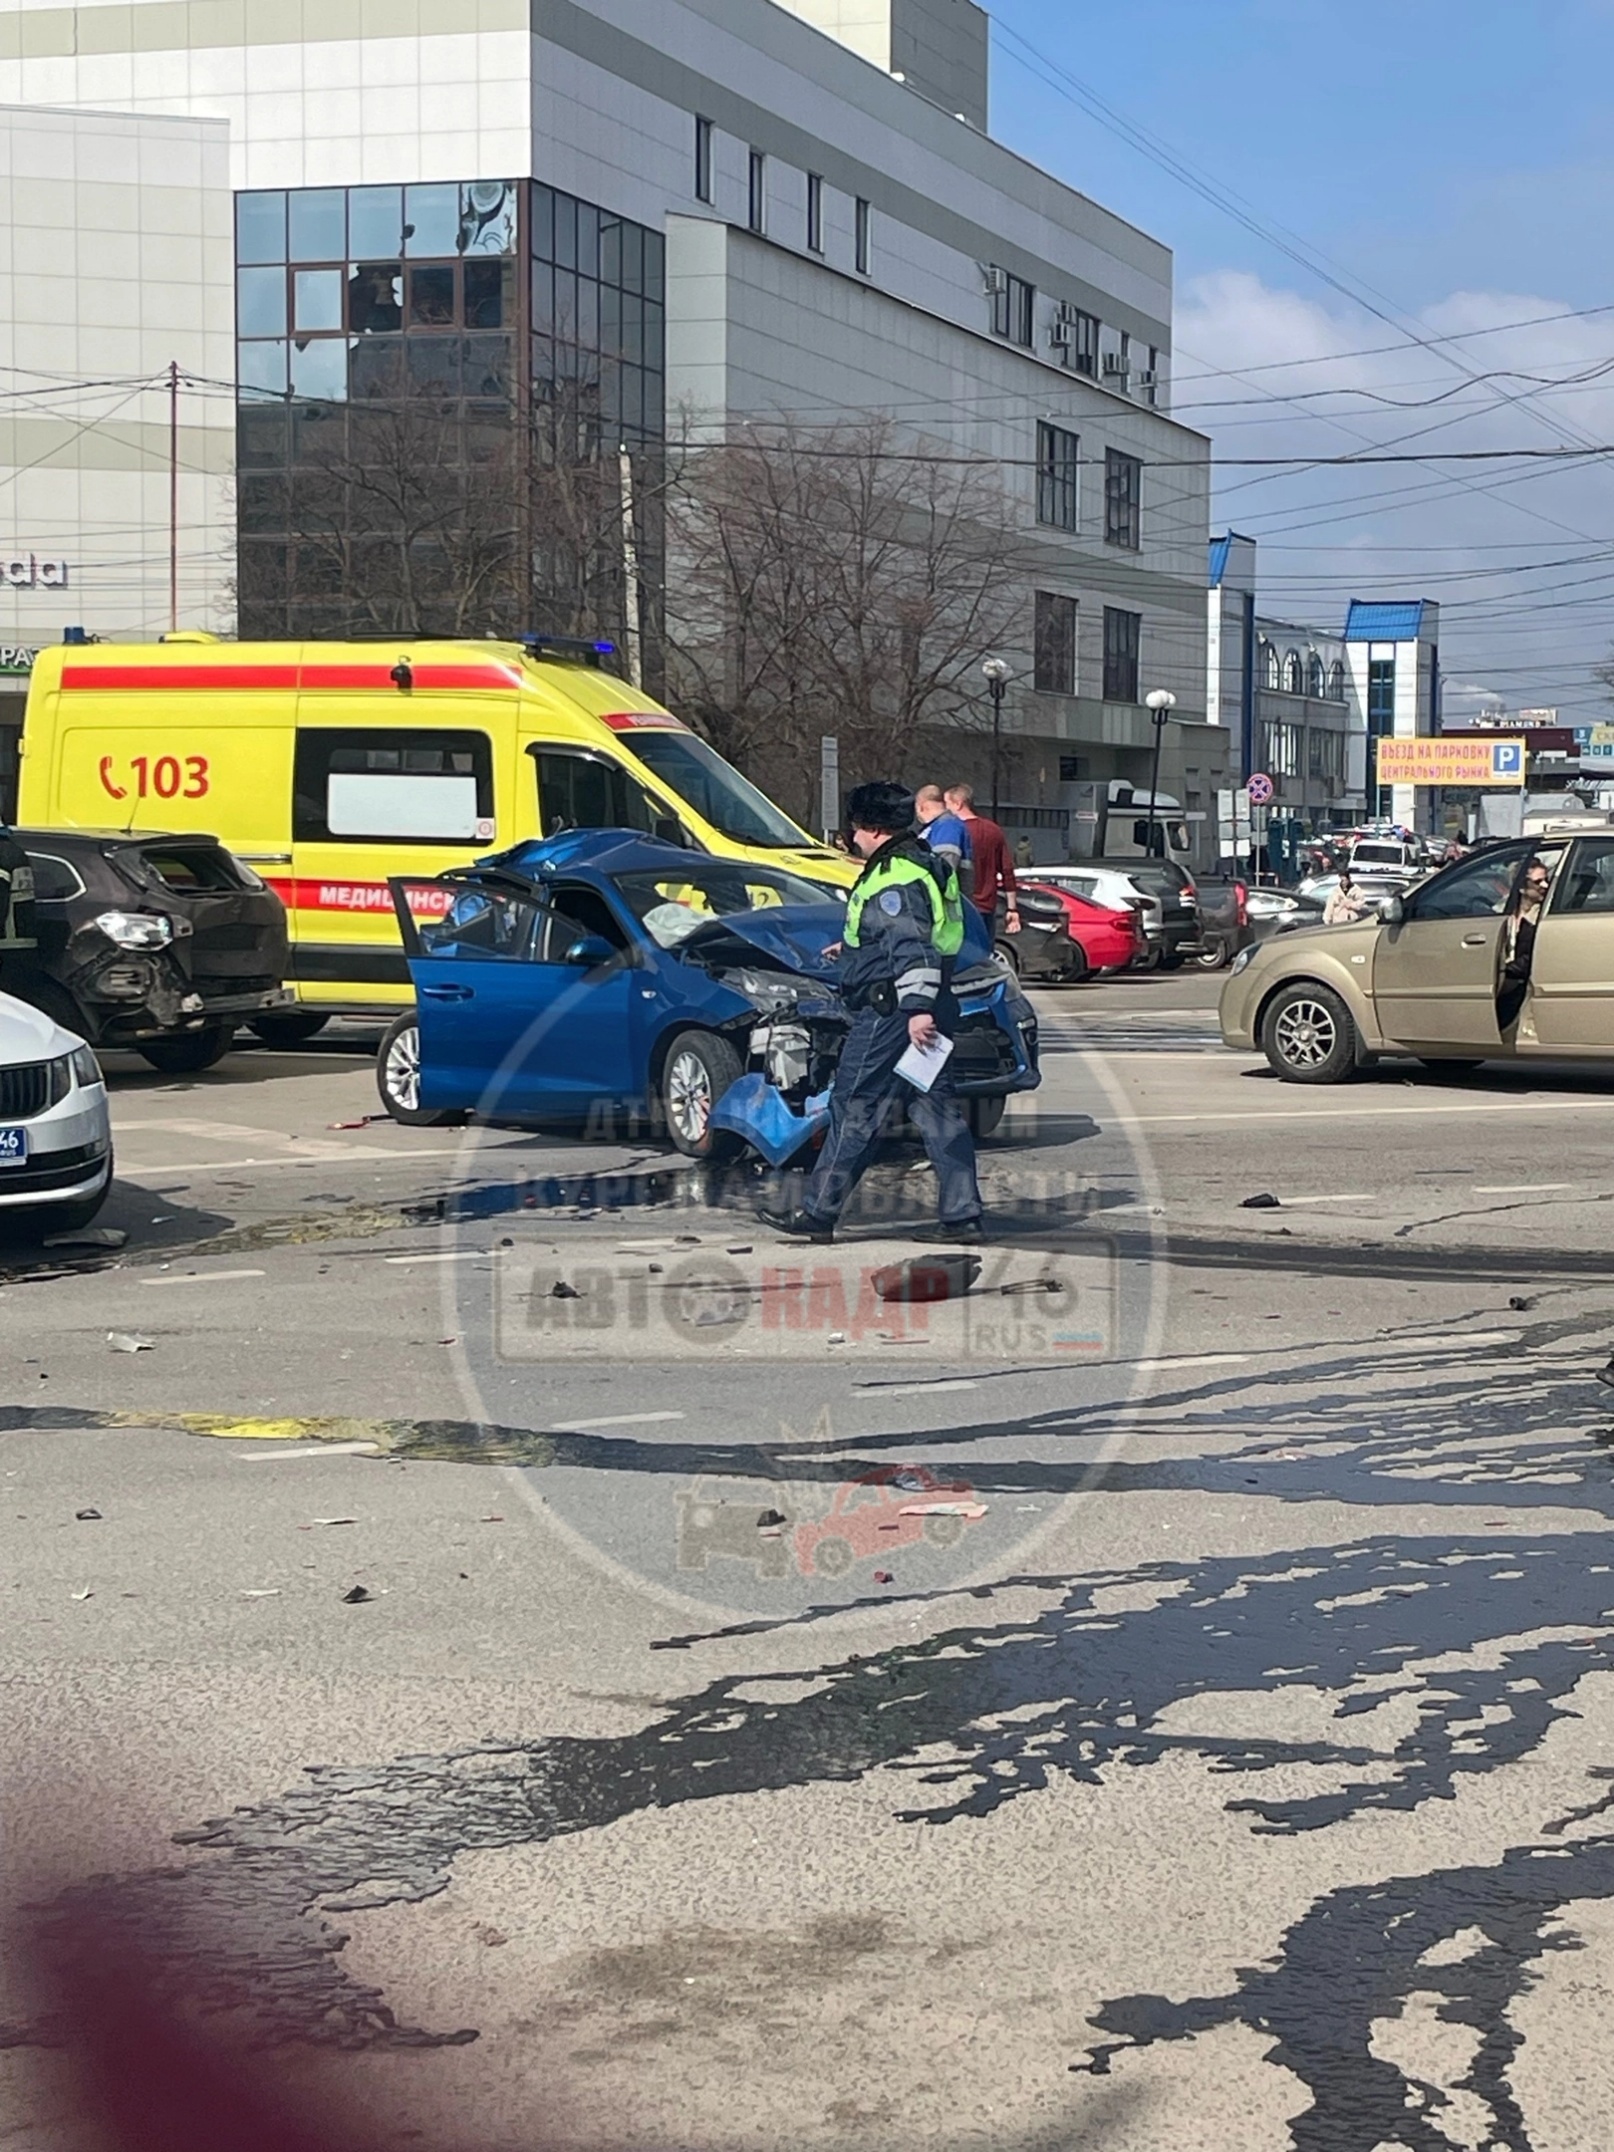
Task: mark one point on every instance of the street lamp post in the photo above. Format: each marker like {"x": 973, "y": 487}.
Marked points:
{"x": 997, "y": 677}
{"x": 1160, "y": 703}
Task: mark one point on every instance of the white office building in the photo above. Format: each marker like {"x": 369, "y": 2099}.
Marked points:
{"x": 707, "y": 212}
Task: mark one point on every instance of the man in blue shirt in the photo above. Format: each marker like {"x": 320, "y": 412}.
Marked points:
{"x": 946, "y": 833}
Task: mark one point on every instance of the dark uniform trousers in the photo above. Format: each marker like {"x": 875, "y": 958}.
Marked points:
{"x": 865, "y": 1084}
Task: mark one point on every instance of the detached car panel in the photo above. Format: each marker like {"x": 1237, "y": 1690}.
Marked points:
{"x": 600, "y": 970}
{"x": 146, "y": 936}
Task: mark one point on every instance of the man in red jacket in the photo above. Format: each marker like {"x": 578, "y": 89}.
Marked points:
{"x": 991, "y": 861}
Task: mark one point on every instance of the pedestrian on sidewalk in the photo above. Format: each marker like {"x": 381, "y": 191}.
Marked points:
{"x": 991, "y": 864}
{"x": 904, "y": 930}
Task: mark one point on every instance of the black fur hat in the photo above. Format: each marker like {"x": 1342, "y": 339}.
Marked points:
{"x": 881, "y": 805}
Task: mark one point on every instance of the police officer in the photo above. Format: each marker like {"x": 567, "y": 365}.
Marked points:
{"x": 904, "y": 929}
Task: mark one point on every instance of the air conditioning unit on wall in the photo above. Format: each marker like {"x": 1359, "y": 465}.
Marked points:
{"x": 1116, "y": 366}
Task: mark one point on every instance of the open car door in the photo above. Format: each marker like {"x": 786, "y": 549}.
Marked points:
{"x": 1435, "y": 972}
{"x": 1570, "y": 1007}
{"x": 521, "y": 1016}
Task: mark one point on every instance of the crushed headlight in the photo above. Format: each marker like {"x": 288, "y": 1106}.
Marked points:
{"x": 136, "y": 930}
{"x": 86, "y": 1069}
{"x": 1244, "y": 959}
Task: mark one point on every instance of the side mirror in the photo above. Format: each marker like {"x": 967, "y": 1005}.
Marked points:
{"x": 1392, "y": 911}
{"x": 590, "y": 952}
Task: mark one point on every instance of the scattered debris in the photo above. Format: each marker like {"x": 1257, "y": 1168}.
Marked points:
{"x": 771, "y": 1519}
{"x": 89, "y": 1236}
{"x": 973, "y": 1510}
{"x": 928, "y": 1278}
{"x": 87, "y": 1516}
{"x": 742, "y": 1247}
{"x": 884, "y": 1576}
{"x": 126, "y": 1341}
{"x": 495, "y": 1519}
{"x": 336, "y": 1520}
{"x": 1260, "y": 1202}
{"x": 267, "y": 1591}
{"x": 488, "y": 1935}
{"x": 1519, "y": 1304}
{"x": 356, "y": 1597}
{"x": 910, "y": 1479}
{"x": 836, "y": 1337}
{"x": 560, "y": 1290}
{"x": 364, "y": 1121}
{"x": 655, "y": 1269}
{"x": 1034, "y": 1285}
{"x": 86, "y": 1593}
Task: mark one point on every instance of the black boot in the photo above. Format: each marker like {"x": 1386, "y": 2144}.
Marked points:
{"x": 796, "y": 1224}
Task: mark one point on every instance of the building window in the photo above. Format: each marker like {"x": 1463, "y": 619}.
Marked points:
{"x": 1294, "y": 678}
{"x": 815, "y": 214}
{"x": 1056, "y": 644}
{"x": 704, "y": 132}
{"x": 1058, "y": 476}
{"x": 865, "y": 238}
{"x": 1280, "y": 748}
{"x": 1325, "y": 758}
{"x": 1151, "y": 380}
{"x": 1271, "y": 672}
{"x": 1123, "y": 500}
{"x": 757, "y": 194}
{"x": 1123, "y": 640}
{"x": 1336, "y": 682}
{"x": 1014, "y": 304}
{"x": 1076, "y": 335}
{"x": 1314, "y": 677}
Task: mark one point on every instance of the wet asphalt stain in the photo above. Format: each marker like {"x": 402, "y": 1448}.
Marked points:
{"x": 1357, "y": 1957}
{"x": 978, "y": 1716}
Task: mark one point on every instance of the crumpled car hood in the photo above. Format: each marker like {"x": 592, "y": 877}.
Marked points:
{"x": 790, "y": 937}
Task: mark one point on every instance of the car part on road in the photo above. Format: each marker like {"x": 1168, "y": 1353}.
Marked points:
{"x": 397, "y": 1076}
{"x": 699, "y": 1068}
{"x": 1308, "y": 1035}
{"x": 293, "y": 1029}
{"x": 187, "y": 1053}
{"x": 923, "y": 1279}
{"x": 1264, "y": 1201}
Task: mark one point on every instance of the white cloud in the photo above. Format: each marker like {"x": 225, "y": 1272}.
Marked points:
{"x": 1520, "y": 555}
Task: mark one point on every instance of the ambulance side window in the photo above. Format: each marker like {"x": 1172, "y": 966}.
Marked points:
{"x": 392, "y": 786}
{"x": 580, "y": 791}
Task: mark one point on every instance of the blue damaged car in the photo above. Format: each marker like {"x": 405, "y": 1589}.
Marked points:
{"x": 602, "y": 977}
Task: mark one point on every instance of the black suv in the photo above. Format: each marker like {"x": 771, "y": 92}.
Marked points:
{"x": 162, "y": 943}
{"x": 1179, "y": 907}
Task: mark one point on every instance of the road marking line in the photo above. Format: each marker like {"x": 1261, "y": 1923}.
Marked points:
{"x": 313, "y": 1449}
{"x": 1454, "y": 1338}
{"x": 1293, "y": 1202}
{"x": 204, "y": 1277}
{"x": 235, "y": 1165}
{"x": 617, "y": 1419}
{"x": 918, "y": 1389}
{"x": 452, "y": 1255}
{"x": 1367, "y": 1113}
{"x": 1526, "y": 1188}
{"x": 1201, "y": 1359}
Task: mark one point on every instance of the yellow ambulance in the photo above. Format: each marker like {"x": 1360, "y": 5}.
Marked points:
{"x": 330, "y": 766}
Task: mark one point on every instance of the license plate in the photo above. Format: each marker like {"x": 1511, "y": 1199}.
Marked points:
{"x": 13, "y": 1147}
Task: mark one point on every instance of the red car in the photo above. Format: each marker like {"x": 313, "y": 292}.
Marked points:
{"x": 1108, "y": 939}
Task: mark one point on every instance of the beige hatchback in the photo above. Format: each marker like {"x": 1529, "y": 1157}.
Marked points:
{"x": 1424, "y": 976}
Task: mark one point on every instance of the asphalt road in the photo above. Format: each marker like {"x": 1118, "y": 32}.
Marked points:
{"x": 1161, "y": 1699}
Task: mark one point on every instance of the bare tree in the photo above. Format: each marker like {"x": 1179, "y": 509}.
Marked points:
{"x": 834, "y": 580}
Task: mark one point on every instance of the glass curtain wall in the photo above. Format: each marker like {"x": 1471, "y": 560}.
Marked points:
{"x": 434, "y": 384}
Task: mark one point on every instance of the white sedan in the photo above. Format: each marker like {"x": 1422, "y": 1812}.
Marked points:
{"x": 55, "y": 1129}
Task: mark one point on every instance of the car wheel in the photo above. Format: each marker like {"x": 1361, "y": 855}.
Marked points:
{"x": 986, "y": 1116}
{"x": 1078, "y": 970}
{"x": 699, "y": 1068}
{"x": 1152, "y": 959}
{"x": 1308, "y": 1035}
{"x": 832, "y": 1557}
{"x": 188, "y": 1052}
{"x": 1215, "y": 956}
{"x": 290, "y": 1030}
{"x": 1010, "y": 955}
{"x": 397, "y": 1076}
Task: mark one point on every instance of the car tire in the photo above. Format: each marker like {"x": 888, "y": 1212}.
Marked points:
{"x": 1215, "y": 956}
{"x": 397, "y": 1076}
{"x": 289, "y": 1030}
{"x": 986, "y": 1116}
{"x": 1009, "y": 954}
{"x": 1151, "y": 960}
{"x": 1078, "y": 971}
{"x": 699, "y": 1067}
{"x": 1308, "y": 1035}
{"x": 187, "y": 1053}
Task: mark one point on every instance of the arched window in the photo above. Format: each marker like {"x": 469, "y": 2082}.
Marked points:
{"x": 1294, "y": 678}
{"x": 1336, "y": 682}
{"x": 1314, "y": 676}
{"x": 1270, "y": 676}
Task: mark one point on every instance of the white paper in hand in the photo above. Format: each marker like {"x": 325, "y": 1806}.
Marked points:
{"x": 921, "y": 1065}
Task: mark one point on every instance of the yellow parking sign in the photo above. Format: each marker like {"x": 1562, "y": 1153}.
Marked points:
{"x": 1491, "y": 761}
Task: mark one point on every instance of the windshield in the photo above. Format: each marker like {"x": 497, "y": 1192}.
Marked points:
{"x": 728, "y": 801}
{"x": 673, "y": 904}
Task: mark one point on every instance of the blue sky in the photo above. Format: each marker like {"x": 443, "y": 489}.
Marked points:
{"x": 1458, "y": 159}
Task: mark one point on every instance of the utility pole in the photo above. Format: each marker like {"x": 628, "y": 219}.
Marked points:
{"x": 632, "y": 600}
{"x": 1160, "y": 705}
{"x": 173, "y": 493}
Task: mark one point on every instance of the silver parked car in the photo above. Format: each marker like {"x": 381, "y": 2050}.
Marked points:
{"x": 55, "y": 1130}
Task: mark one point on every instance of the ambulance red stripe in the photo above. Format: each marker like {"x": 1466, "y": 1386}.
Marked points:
{"x": 264, "y": 679}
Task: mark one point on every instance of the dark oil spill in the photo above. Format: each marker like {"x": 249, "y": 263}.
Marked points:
{"x": 1076, "y": 1693}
